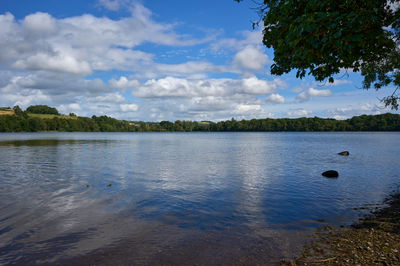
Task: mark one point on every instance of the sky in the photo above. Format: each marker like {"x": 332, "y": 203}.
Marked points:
{"x": 155, "y": 60}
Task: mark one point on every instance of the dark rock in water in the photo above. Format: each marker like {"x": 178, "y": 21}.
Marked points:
{"x": 109, "y": 185}
{"x": 330, "y": 173}
{"x": 344, "y": 153}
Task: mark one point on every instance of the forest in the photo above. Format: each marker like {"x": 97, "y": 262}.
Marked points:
{"x": 16, "y": 120}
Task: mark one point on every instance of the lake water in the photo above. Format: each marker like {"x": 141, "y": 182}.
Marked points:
{"x": 182, "y": 198}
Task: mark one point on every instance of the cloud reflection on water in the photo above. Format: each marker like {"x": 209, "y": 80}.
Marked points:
{"x": 170, "y": 189}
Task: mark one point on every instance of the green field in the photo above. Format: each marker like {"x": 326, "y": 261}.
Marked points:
{"x": 6, "y": 111}
{"x": 49, "y": 116}
{"x": 9, "y": 111}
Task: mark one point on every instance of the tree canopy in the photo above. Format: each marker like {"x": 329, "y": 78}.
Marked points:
{"x": 324, "y": 37}
{"x": 42, "y": 109}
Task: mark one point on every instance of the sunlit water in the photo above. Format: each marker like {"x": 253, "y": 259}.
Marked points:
{"x": 148, "y": 198}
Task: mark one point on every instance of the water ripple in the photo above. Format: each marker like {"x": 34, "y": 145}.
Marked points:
{"x": 72, "y": 195}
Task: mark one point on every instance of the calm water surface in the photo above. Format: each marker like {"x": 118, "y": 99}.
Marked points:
{"x": 169, "y": 198}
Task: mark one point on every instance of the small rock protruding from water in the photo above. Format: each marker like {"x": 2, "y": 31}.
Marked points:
{"x": 331, "y": 174}
{"x": 344, "y": 153}
{"x": 109, "y": 185}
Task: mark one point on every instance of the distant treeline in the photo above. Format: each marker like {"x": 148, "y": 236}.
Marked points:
{"x": 23, "y": 121}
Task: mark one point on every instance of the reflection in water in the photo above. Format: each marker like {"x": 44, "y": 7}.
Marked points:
{"x": 52, "y": 142}
{"x": 172, "y": 198}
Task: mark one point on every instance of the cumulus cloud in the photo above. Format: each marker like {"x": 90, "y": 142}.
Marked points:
{"x": 107, "y": 98}
{"x": 83, "y": 44}
{"x": 69, "y": 108}
{"x": 56, "y": 62}
{"x": 251, "y": 57}
{"x": 218, "y": 108}
{"x": 179, "y": 87}
{"x": 54, "y": 84}
{"x": 275, "y": 98}
{"x": 61, "y": 62}
{"x": 39, "y": 23}
{"x": 23, "y": 98}
{"x": 129, "y": 107}
{"x": 353, "y": 110}
{"x": 167, "y": 98}
{"x": 253, "y": 85}
{"x": 299, "y": 113}
{"x": 311, "y": 92}
{"x": 123, "y": 83}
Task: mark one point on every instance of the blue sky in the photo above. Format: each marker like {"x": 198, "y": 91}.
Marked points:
{"x": 158, "y": 60}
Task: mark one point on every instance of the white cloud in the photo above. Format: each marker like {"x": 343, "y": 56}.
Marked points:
{"x": 299, "y": 113}
{"x": 69, "y": 108}
{"x": 108, "y": 98}
{"x": 39, "y": 23}
{"x": 53, "y": 84}
{"x": 24, "y": 98}
{"x": 83, "y": 44}
{"x": 56, "y": 62}
{"x": 247, "y": 38}
{"x": 251, "y": 57}
{"x": 169, "y": 98}
{"x": 253, "y": 85}
{"x": 123, "y": 83}
{"x": 178, "y": 87}
{"x": 338, "y": 82}
{"x": 275, "y": 98}
{"x": 311, "y": 92}
{"x": 113, "y": 5}
{"x": 74, "y": 106}
{"x": 319, "y": 93}
{"x": 221, "y": 108}
{"x": 129, "y": 107}
{"x": 355, "y": 109}
{"x": 56, "y": 55}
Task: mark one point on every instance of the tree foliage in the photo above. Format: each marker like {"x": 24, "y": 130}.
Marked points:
{"x": 323, "y": 37}
{"x": 42, "y": 109}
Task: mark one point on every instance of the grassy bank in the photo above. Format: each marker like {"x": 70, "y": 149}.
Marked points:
{"x": 6, "y": 111}
{"x": 374, "y": 240}
{"x": 50, "y": 116}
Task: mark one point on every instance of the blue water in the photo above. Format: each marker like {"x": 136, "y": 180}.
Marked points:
{"x": 71, "y": 195}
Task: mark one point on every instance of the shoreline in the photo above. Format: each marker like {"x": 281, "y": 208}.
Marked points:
{"x": 373, "y": 240}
